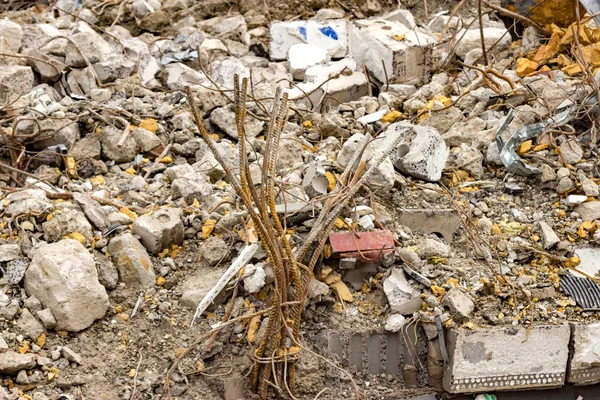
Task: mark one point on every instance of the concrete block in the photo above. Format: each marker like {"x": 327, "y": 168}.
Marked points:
{"x": 159, "y": 230}
{"x": 330, "y": 35}
{"x": 584, "y": 361}
{"x": 303, "y": 56}
{"x": 443, "y": 221}
{"x": 405, "y": 53}
{"x": 506, "y": 359}
{"x": 348, "y": 85}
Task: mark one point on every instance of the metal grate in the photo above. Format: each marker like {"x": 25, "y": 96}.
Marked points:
{"x": 584, "y": 291}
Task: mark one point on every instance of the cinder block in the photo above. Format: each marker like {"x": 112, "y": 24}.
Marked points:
{"x": 584, "y": 361}
{"x": 506, "y": 359}
{"x": 376, "y": 352}
{"x": 405, "y": 53}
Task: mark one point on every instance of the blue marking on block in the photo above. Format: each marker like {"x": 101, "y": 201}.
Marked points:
{"x": 302, "y": 31}
{"x": 329, "y": 31}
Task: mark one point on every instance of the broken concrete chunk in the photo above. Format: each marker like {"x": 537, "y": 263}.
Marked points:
{"x": 224, "y": 118}
{"x": 92, "y": 46}
{"x": 47, "y": 318}
{"x": 9, "y": 252}
{"x": 12, "y": 34}
{"x": 501, "y": 358}
{"x": 12, "y": 362}
{"x": 338, "y": 79}
{"x": 445, "y": 222}
{"x": 159, "y": 230}
{"x": 145, "y": 139}
{"x": 223, "y": 72}
{"x": 317, "y": 289}
{"x": 63, "y": 277}
{"x": 549, "y": 237}
{"x": 391, "y": 51}
{"x": 67, "y": 223}
{"x": 421, "y": 151}
{"x": 315, "y": 181}
{"x": 394, "y": 323}
{"x": 254, "y": 278}
{"x": 460, "y": 305}
{"x": 15, "y": 81}
{"x": 113, "y": 68}
{"x": 330, "y": 35}
{"x": 403, "y": 298}
{"x": 589, "y": 211}
{"x": 433, "y": 248}
{"x": 111, "y": 137}
{"x": 29, "y": 325}
{"x": 570, "y": 151}
{"x": 71, "y": 356}
{"x": 132, "y": 261}
{"x": 28, "y": 201}
{"x": 303, "y": 56}
{"x": 471, "y": 39}
{"x": 92, "y": 210}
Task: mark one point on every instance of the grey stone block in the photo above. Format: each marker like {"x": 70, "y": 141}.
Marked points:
{"x": 584, "y": 360}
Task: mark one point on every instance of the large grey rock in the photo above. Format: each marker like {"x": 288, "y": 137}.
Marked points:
{"x": 110, "y": 149}
{"x": 63, "y": 277}
{"x": 132, "y": 261}
{"x": 66, "y": 132}
{"x": 12, "y": 362}
{"x": 70, "y": 221}
{"x": 403, "y": 298}
{"x": 12, "y": 34}
{"x": 49, "y": 68}
{"x": 224, "y": 70}
{"x": 224, "y": 118}
{"x": 159, "y": 230}
{"x": 82, "y": 81}
{"x": 507, "y": 358}
{"x": 178, "y": 76}
{"x": 15, "y": 81}
{"x": 214, "y": 250}
{"x": 86, "y": 148}
{"x": 421, "y": 151}
{"x": 92, "y": 46}
{"x": 47, "y": 318}
{"x": 571, "y": 151}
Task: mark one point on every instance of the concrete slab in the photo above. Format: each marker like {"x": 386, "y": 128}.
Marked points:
{"x": 505, "y": 359}
{"x": 584, "y": 360}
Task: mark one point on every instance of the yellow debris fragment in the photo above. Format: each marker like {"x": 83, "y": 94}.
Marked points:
{"x": 166, "y": 160}
{"x": 208, "y": 227}
{"x": 71, "y": 167}
{"x": 160, "y": 281}
{"x": 332, "y": 278}
{"x": 525, "y": 147}
{"x": 149, "y": 125}
{"x": 253, "y": 328}
{"x": 98, "y": 180}
{"x": 392, "y": 116}
{"x": 541, "y": 147}
{"x": 331, "y": 181}
{"x": 77, "y": 236}
{"x": 41, "y": 340}
{"x": 132, "y": 372}
{"x": 525, "y": 67}
{"x": 342, "y": 291}
{"x": 399, "y": 37}
{"x": 307, "y": 124}
{"x": 128, "y": 212}
{"x": 130, "y": 171}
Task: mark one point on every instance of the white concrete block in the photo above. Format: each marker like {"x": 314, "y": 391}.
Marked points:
{"x": 471, "y": 39}
{"x": 405, "y": 17}
{"x": 406, "y": 53}
{"x": 506, "y": 359}
{"x": 584, "y": 365}
{"x": 329, "y": 35}
{"x": 348, "y": 85}
{"x": 303, "y": 56}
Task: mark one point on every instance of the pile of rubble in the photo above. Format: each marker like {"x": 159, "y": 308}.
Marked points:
{"x": 117, "y": 219}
